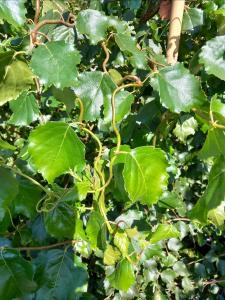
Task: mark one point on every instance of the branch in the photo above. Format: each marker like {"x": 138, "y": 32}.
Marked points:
{"x": 175, "y": 30}
{"x": 34, "y": 32}
{"x": 106, "y": 50}
{"x": 46, "y": 247}
{"x": 37, "y": 11}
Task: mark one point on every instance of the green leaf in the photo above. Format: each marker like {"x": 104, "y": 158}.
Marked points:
{"x": 16, "y": 276}
{"x": 13, "y": 11}
{"x": 193, "y": 17}
{"x": 123, "y": 276}
{"x": 214, "y": 193}
{"x": 214, "y": 144}
{"x": 122, "y": 242}
{"x": 95, "y": 90}
{"x": 145, "y": 174}
{"x": 111, "y": 255}
{"x": 8, "y": 190}
{"x": 62, "y": 33}
{"x": 60, "y": 222}
{"x": 188, "y": 127}
{"x": 96, "y": 230}
{"x": 66, "y": 96}
{"x": 62, "y": 58}
{"x": 180, "y": 268}
{"x": 13, "y": 84}
{"x": 25, "y": 110}
{"x": 82, "y": 188}
{"x": 5, "y": 60}
{"x": 128, "y": 45}
{"x": 217, "y": 215}
{"x": 60, "y": 276}
{"x": 217, "y": 107}
{"x": 178, "y": 89}
{"x": 164, "y": 231}
{"x": 5, "y": 145}
{"x": 92, "y": 23}
{"x": 212, "y": 56}
{"x": 123, "y": 101}
{"x": 27, "y": 198}
{"x": 171, "y": 200}
{"x": 55, "y": 149}
{"x": 168, "y": 276}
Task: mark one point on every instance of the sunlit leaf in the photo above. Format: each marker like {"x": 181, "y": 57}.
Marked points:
{"x": 63, "y": 59}
{"x": 123, "y": 276}
{"x": 179, "y": 90}
{"x": 13, "y": 11}
{"x": 145, "y": 174}
{"x": 212, "y": 56}
{"x": 55, "y": 149}
{"x": 214, "y": 193}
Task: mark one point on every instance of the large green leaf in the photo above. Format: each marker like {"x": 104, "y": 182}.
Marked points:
{"x": 214, "y": 193}
{"x": 8, "y": 190}
{"x": 13, "y": 84}
{"x": 13, "y": 11}
{"x": 62, "y": 58}
{"x": 16, "y": 280}
{"x": 127, "y": 44}
{"x": 60, "y": 276}
{"x": 212, "y": 56}
{"x": 214, "y": 144}
{"x": 164, "y": 231}
{"x": 60, "y": 221}
{"x": 25, "y": 110}
{"x": 178, "y": 89}
{"x": 123, "y": 276}
{"x": 94, "y": 24}
{"x": 145, "y": 174}
{"x": 55, "y": 149}
{"x": 193, "y": 17}
{"x": 95, "y": 89}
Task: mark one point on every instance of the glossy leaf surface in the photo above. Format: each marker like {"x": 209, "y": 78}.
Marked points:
{"x": 212, "y": 56}
{"x": 55, "y": 149}
{"x": 178, "y": 89}
{"x": 25, "y": 110}
{"x": 145, "y": 174}
{"x": 61, "y": 57}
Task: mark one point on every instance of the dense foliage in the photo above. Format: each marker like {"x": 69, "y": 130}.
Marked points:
{"x": 112, "y": 163}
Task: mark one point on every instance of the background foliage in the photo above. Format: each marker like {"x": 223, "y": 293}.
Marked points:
{"x": 112, "y": 182}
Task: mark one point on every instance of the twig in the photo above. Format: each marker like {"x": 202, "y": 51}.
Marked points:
{"x": 46, "y": 247}
{"x": 213, "y": 281}
{"x": 81, "y": 115}
{"x": 38, "y": 26}
{"x": 37, "y": 11}
{"x": 106, "y": 50}
{"x": 181, "y": 219}
{"x": 201, "y": 259}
